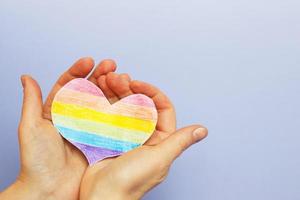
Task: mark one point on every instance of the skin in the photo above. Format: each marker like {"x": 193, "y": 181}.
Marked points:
{"x": 52, "y": 168}
{"x": 137, "y": 171}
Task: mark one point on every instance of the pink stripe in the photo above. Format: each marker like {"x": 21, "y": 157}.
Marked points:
{"x": 139, "y": 99}
{"x": 84, "y": 86}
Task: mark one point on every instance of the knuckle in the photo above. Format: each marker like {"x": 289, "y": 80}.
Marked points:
{"x": 161, "y": 163}
{"x": 125, "y": 76}
{"x": 101, "y": 81}
{"x": 30, "y": 125}
{"x": 162, "y": 177}
{"x": 110, "y": 75}
{"x": 183, "y": 143}
{"x": 21, "y": 127}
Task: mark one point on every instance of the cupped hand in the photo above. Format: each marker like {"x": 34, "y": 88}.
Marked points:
{"x": 132, "y": 174}
{"x": 50, "y": 166}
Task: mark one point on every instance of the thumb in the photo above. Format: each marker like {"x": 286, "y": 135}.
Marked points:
{"x": 183, "y": 138}
{"x": 32, "y": 100}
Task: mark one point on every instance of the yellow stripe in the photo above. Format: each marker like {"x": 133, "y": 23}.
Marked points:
{"x": 99, "y": 104}
{"x": 92, "y": 115}
{"x": 100, "y": 129}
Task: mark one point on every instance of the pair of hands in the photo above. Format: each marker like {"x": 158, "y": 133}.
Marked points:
{"x": 52, "y": 168}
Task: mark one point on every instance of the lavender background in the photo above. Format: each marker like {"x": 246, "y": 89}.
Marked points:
{"x": 231, "y": 65}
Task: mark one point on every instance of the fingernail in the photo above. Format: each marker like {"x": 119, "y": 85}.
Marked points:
{"x": 23, "y": 80}
{"x": 199, "y": 133}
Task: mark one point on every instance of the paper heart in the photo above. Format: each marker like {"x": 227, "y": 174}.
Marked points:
{"x": 84, "y": 117}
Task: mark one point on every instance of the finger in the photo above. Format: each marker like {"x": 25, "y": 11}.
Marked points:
{"x": 103, "y": 68}
{"x": 110, "y": 95}
{"x": 79, "y": 69}
{"x": 156, "y": 138}
{"x": 119, "y": 84}
{"x": 125, "y": 76}
{"x": 176, "y": 143}
{"x": 32, "y": 101}
{"x": 166, "y": 113}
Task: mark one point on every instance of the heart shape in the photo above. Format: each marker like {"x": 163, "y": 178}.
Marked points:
{"x": 84, "y": 117}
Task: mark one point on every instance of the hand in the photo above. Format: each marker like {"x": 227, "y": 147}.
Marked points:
{"x": 51, "y": 167}
{"x": 132, "y": 174}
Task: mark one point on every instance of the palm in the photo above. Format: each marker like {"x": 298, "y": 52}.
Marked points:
{"x": 58, "y": 160}
{"x": 48, "y": 159}
{"x": 129, "y": 163}
{"x": 61, "y": 160}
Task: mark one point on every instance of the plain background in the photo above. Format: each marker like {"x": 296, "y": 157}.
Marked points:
{"x": 231, "y": 65}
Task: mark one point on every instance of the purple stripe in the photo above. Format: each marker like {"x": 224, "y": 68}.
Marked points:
{"x": 95, "y": 154}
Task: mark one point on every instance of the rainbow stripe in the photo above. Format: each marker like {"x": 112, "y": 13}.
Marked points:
{"x": 84, "y": 116}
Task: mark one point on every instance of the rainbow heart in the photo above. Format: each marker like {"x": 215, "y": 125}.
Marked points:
{"x": 84, "y": 117}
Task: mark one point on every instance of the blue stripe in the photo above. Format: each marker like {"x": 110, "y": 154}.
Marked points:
{"x": 96, "y": 140}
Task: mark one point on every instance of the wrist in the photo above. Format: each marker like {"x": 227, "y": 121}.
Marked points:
{"x": 109, "y": 194}
{"x": 103, "y": 190}
{"x": 21, "y": 190}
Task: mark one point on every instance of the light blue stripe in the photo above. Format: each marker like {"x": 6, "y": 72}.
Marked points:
{"x": 96, "y": 140}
